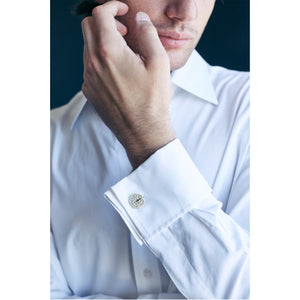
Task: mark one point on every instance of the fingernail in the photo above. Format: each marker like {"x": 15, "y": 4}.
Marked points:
{"x": 142, "y": 17}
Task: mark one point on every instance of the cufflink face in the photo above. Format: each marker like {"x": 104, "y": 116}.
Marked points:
{"x": 136, "y": 200}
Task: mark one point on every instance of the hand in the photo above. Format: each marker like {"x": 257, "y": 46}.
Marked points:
{"x": 130, "y": 92}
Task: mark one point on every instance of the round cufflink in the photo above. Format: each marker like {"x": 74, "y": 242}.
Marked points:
{"x": 136, "y": 200}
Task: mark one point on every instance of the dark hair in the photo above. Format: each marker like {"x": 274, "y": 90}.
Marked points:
{"x": 84, "y": 7}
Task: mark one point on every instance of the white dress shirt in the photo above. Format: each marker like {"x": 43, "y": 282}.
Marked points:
{"x": 178, "y": 225}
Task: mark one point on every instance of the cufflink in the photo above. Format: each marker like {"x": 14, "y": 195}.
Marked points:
{"x": 136, "y": 200}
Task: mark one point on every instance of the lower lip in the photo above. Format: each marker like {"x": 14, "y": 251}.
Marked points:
{"x": 172, "y": 43}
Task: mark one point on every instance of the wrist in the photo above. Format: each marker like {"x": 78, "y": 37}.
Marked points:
{"x": 137, "y": 155}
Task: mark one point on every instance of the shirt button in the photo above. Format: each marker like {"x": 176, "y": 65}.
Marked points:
{"x": 147, "y": 273}
{"x": 136, "y": 200}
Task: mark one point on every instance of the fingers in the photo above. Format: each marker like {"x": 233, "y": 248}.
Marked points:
{"x": 150, "y": 46}
{"x": 89, "y": 34}
{"x": 105, "y": 22}
{"x": 121, "y": 28}
{"x": 103, "y": 37}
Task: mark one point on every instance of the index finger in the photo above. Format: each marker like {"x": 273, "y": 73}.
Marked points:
{"x": 105, "y": 22}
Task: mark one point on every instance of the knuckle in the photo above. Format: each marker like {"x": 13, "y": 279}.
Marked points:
{"x": 91, "y": 64}
{"x": 105, "y": 52}
{"x": 85, "y": 22}
{"x": 97, "y": 10}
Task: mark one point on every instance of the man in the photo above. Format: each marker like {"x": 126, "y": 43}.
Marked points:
{"x": 150, "y": 187}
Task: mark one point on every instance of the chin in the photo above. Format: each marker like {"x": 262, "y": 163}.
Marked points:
{"x": 178, "y": 58}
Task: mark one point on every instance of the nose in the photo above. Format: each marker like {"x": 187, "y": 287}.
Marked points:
{"x": 182, "y": 10}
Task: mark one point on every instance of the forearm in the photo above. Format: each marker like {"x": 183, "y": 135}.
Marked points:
{"x": 202, "y": 248}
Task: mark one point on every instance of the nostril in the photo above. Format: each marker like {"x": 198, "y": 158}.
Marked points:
{"x": 185, "y": 10}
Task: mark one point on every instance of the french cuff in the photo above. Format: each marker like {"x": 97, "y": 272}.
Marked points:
{"x": 159, "y": 192}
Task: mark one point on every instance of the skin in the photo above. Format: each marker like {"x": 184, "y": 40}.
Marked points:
{"x": 183, "y": 16}
{"x": 127, "y": 63}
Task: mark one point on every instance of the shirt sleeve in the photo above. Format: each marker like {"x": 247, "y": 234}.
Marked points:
{"x": 204, "y": 250}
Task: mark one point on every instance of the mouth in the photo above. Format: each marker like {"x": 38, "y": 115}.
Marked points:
{"x": 173, "y": 39}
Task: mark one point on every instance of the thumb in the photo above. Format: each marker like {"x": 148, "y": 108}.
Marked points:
{"x": 150, "y": 46}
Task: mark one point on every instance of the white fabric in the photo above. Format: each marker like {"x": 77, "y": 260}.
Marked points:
{"x": 190, "y": 239}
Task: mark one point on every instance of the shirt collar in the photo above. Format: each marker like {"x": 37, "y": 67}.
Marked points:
{"x": 193, "y": 77}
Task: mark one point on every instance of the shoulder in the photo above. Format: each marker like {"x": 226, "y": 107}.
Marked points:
{"x": 64, "y": 116}
{"x": 231, "y": 81}
{"x": 230, "y": 85}
{"x": 228, "y": 75}
{"x": 232, "y": 90}
{"x": 214, "y": 82}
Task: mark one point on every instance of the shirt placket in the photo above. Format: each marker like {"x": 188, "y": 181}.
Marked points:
{"x": 146, "y": 269}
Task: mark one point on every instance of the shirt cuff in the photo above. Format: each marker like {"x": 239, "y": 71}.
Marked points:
{"x": 170, "y": 185}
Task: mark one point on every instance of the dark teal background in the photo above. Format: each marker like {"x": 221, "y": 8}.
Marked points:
{"x": 225, "y": 42}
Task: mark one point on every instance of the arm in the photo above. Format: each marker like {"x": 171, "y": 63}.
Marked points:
{"x": 204, "y": 250}
{"x": 130, "y": 92}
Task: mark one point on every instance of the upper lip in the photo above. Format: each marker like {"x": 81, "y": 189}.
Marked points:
{"x": 175, "y": 35}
